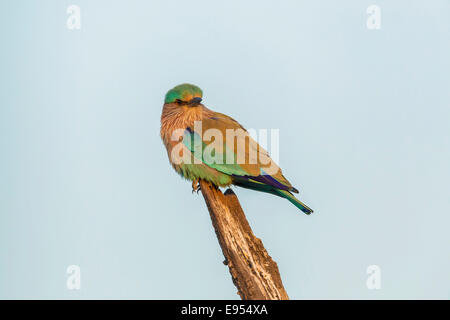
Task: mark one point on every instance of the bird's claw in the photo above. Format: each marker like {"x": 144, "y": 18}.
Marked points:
{"x": 195, "y": 186}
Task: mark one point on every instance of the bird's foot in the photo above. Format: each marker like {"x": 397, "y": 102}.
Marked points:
{"x": 196, "y": 186}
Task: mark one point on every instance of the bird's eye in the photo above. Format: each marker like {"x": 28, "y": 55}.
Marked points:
{"x": 178, "y": 101}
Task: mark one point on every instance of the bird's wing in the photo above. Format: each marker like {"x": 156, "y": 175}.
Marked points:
{"x": 223, "y": 144}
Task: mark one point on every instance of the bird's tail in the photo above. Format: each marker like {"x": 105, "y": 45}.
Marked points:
{"x": 294, "y": 201}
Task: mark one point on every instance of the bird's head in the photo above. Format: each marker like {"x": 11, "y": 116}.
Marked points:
{"x": 184, "y": 95}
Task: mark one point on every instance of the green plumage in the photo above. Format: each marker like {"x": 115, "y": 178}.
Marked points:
{"x": 183, "y": 92}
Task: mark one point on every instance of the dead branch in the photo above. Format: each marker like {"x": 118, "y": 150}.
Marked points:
{"x": 253, "y": 271}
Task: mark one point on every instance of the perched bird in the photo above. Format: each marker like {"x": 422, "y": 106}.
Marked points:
{"x": 187, "y": 126}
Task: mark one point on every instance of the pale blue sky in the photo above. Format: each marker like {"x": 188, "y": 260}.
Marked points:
{"x": 364, "y": 134}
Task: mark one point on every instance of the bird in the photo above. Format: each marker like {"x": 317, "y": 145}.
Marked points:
{"x": 185, "y": 122}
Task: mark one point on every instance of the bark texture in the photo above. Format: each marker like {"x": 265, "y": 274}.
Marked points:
{"x": 253, "y": 271}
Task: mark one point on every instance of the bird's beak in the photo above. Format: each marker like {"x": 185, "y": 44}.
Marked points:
{"x": 195, "y": 101}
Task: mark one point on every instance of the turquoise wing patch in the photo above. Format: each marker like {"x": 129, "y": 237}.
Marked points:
{"x": 221, "y": 158}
